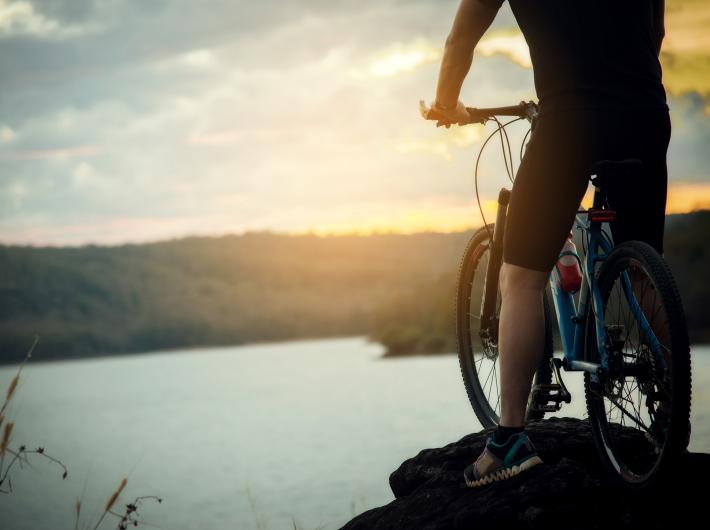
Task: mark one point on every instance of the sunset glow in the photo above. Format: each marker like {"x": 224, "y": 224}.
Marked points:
{"x": 116, "y": 125}
{"x": 509, "y": 43}
{"x": 442, "y": 217}
{"x": 400, "y": 59}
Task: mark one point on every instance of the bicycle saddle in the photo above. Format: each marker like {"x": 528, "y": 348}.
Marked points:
{"x": 602, "y": 170}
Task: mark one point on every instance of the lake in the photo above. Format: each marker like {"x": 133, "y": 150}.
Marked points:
{"x": 263, "y": 436}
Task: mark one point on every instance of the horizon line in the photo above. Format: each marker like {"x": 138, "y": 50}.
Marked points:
{"x": 310, "y": 232}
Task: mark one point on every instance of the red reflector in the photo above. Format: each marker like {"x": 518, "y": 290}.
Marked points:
{"x": 603, "y": 216}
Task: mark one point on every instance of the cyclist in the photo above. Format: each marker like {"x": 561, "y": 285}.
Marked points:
{"x": 598, "y": 81}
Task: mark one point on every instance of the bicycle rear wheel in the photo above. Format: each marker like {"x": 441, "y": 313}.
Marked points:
{"x": 478, "y": 353}
{"x": 640, "y": 409}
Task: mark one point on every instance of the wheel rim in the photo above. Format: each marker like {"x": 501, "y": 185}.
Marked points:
{"x": 483, "y": 354}
{"x": 633, "y": 402}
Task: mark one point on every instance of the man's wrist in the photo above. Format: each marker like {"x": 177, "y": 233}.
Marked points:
{"x": 445, "y": 106}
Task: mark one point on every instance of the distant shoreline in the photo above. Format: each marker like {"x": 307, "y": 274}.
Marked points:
{"x": 168, "y": 351}
{"x": 176, "y": 351}
{"x": 397, "y": 290}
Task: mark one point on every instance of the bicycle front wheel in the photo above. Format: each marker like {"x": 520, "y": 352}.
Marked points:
{"x": 478, "y": 350}
{"x": 640, "y": 408}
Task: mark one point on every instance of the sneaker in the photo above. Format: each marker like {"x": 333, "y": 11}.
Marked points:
{"x": 500, "y": 462}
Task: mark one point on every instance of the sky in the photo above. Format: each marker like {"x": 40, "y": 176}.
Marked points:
{"x": 129, "y": 121}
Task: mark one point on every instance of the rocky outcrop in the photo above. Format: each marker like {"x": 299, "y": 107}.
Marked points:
{"x": 568, "y": 491}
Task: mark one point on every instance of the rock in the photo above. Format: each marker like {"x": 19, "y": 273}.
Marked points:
{"x": 568, "y": 491}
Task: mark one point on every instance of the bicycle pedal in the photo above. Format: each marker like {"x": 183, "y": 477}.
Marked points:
{"x": 545, "y": 408}
{"x": 556, "y": 364}
{"x": 546, "y": 398}
{"x": 551, "y": 392}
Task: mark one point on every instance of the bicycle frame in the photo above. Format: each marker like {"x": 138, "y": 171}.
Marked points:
{"x": 572, "y": 319}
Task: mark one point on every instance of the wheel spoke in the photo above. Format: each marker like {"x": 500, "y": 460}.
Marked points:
{"x": 631, "y": 401}
{"x": 623, "y": 412}
{"x": 493, "y": 371}
{"x": 485, "y": 384}
{"x": 495, "y": 380}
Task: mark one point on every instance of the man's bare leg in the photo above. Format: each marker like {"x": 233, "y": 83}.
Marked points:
{"x": 521, "y": 334}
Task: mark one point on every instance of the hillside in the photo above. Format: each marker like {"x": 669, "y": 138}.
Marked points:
{"x": 422, "y": 320}
{"x": 262, "y": 287}
{"x": 207, "y": 291}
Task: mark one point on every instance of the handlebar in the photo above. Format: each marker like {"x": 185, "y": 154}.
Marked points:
{"x": 525, "y": 109}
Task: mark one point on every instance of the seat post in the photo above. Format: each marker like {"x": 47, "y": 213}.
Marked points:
{"x": 598, "y": 203}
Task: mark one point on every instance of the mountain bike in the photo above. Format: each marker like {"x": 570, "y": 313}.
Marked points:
{"x": 625, "y": 329}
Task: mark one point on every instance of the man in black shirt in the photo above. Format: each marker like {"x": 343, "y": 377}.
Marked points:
{"x": 598, "y": 81}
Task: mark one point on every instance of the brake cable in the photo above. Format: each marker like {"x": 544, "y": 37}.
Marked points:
{"x": 507, "y": 155}
{"x": 523, "y": 143}
{"x": 501, "y": 130}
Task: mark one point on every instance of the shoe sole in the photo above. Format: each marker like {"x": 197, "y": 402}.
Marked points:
{"x": 503, "y": 474}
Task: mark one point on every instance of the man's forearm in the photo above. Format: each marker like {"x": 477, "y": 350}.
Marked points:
{"x": 471, "y": 21}
{"x": 455, "y": 65}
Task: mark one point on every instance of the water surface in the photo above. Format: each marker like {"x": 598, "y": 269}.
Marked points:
{"x": 244, "y": 437}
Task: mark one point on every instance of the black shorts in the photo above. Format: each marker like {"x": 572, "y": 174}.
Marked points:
{"x": 554, "y": 174}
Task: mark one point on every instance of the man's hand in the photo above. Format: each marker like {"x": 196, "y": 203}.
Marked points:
{"x": 449, "y": 116}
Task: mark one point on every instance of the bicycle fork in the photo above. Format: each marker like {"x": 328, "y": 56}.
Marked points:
{"x": 489, "y": 319}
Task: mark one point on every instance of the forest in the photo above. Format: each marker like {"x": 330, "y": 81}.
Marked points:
{"x": 209, "y": 291}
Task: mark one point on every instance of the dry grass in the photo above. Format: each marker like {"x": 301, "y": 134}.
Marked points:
{"x": 19, "y": 457}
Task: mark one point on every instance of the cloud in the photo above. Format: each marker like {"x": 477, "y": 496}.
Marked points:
{"x": 686, "y": 47}
{"x": 507, "y": 42}
{"x": 399, "y": 58}
{"x": 19, "y": 18}
{"x": 175, "y": 119}
{"x": 7, "y": 135}
{"x": 16, "y": 192}
{"x": 687, "y": 154}
{"x": 48, "y": 154}
{"x": 86, "y": 177}
{"x": 442, "y": 143}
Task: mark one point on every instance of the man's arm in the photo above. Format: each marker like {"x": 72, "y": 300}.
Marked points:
{"x": 658, "y": 23}
{"x": 472, "y": 19}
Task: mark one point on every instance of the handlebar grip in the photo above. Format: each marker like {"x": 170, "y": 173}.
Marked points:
{"x": 476, "y": 115}
{"x": 430, "y": 113}
{"x": 522, "y": 110}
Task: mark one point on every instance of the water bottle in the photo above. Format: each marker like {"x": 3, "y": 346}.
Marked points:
{"x": 567, "y": 269}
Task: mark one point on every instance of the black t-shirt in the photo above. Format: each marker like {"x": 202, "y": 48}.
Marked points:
{"x": 596, "y": 54}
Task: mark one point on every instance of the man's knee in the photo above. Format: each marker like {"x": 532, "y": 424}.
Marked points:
{"x": 514, "y": 279}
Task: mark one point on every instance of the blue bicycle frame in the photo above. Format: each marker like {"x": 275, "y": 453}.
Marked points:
{"x": 573, "y": 319}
